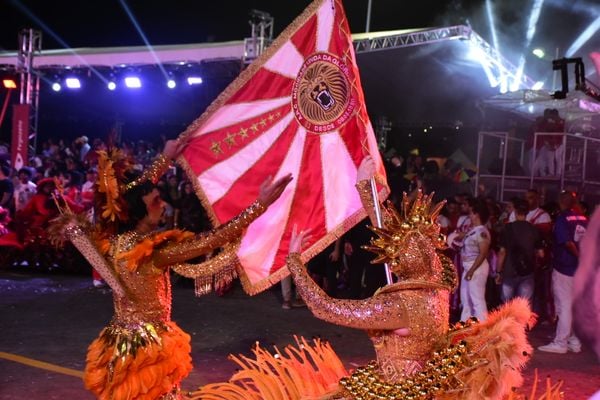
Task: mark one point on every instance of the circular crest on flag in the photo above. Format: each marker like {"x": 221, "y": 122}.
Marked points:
{"x": 322, "y": 97}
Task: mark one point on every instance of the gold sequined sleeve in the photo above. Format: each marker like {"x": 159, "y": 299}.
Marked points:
{"x": 206, "y": 242}
{"x": 366, "y": 198}
{"x": 153, "y": 172}
{"x": 86, "y": 247}
{"x": 225, "y": 259}
{"x": 383, "y": 312}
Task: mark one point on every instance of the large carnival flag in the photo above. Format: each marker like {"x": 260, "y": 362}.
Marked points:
{"x": 298, "y": 108}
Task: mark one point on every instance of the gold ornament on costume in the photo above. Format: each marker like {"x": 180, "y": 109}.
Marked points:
{"x": 418, "y": 218}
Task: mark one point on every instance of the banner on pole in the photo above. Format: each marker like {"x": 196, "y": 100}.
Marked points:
{"x": 20, "y": 136}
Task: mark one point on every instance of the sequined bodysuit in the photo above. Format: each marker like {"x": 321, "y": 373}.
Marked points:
{"x": 419, "y": 302}
{"x": 142, "y": 354}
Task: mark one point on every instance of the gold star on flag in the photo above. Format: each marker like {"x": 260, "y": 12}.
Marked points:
{"x": 254, "y": 127}
{"x": 243, "y": 133}
{"x": 215, "y": 147}
{"x": 263, "y": 122}
{"x": 230, "y": 139}
{"x": 271, "y": 117}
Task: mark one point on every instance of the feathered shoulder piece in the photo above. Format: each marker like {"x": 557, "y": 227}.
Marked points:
{"x": 144, "y": 248}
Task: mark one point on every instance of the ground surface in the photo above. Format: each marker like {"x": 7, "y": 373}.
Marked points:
{"x": 53, "y": 318}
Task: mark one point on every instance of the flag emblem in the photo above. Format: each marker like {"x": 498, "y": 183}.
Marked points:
{"x": 322, "y": 97}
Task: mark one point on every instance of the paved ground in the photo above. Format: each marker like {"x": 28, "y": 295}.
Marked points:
{"x": 53, "y": 317}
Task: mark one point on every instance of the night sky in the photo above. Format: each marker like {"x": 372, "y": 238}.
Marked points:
{"x": 105, "y": 23}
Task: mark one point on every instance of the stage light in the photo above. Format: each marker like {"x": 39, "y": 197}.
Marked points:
{"x": 538, "y": 85}
{"x": 111, "y": 86}
{"x": 539, "y": 53}
{"x": 171, "y": 84}
{"x": 73, "y": 83}
{"x": 9, "y": 83}
{"x": 194, "y": 80}
{"x": 133, "y": 82}
{"x": 56, "y": 87}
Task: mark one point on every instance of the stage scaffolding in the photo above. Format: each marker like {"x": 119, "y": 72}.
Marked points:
{"x": 507, "y": 168}
{"x": 30, "y": 45}
{"x": 498, "y": 69}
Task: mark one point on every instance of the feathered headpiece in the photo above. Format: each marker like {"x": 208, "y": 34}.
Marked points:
{"x": 113, "y": 166}
{"x": 417, "y": 218}
{"x": 409, "y": 259}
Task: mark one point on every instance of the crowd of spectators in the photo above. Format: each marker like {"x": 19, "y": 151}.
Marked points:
{"x": 28, "y": 205}
{"x": 500, "y": 250}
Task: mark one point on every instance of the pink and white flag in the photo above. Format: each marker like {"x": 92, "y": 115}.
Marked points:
{"x": 299, "y": 108}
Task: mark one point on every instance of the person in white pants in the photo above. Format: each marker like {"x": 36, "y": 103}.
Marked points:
{"x": 569, "y": 229}
{"x": 474, "y": 251}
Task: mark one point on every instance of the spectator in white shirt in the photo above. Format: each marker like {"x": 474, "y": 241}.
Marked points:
{"x": 24, "y": 189}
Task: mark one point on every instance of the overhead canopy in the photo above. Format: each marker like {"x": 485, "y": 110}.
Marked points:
{"x": 136, "y": 55}
{"x": 575, "y": 108}
{"x": 165, "y": 54}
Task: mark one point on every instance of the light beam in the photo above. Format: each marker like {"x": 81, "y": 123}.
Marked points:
{"x": 584, "y": 37}
{"x": 138, "y": 28}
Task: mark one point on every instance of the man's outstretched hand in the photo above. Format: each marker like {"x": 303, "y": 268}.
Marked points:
{"x": 270, "y": 191}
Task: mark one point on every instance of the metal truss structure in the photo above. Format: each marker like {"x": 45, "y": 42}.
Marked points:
{"x": 261, "y": 35}
{"x": 30, "y": 45}
{"x": 499, "y": 71}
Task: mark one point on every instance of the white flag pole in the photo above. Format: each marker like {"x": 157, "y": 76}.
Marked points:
{"x": 379, "y": 220}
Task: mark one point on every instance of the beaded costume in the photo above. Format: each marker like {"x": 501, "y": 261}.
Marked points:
{"x": 470, "y": 360}
{"x": 142, "y": 354}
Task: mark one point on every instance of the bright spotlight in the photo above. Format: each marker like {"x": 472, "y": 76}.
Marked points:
{"x": 9, "y": 83}
{"x": 133, "y": 82}
{"x": 171, "y": 84}
{"x": 539, "y": 53}
{"x": 56, "y": 87}
{"x": 538, "y": 85}
{"x": 73, "y": 83}
{"x": 475, "y": 53}
{"x": 194, "y": 80}
{"x": 111, "y": 86}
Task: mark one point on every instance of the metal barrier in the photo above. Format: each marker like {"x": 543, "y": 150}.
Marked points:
{"x": 557, "y": 161}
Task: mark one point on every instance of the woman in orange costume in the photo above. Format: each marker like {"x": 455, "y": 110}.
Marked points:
{"x": 142, "y": 354}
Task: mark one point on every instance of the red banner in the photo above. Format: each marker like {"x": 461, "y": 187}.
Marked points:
{"x": 20, "y": 136}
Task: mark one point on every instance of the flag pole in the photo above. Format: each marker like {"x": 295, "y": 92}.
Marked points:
{"x": 379, "y": 221}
